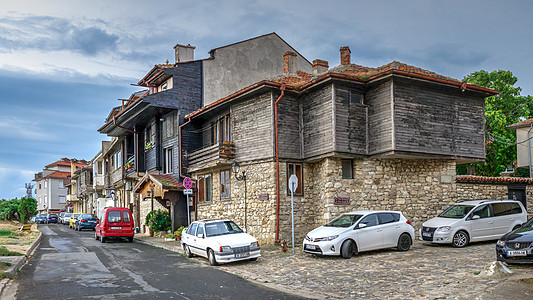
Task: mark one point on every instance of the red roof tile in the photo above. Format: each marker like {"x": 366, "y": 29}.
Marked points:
{"x": 521, "y": 124}
{"x": 492, "y": 180}
{"x": 58, "y": 174}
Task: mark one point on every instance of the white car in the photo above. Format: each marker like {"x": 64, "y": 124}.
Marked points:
{"x": 359, "y": 231}
{"x": 477, "y": 220}
{"x": 220, "y": 241}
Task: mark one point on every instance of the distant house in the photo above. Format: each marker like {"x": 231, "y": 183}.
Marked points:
{"x": 51, "y": 192}
{"x": 524, "y": 133}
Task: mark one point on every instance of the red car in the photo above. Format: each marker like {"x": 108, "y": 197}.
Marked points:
{"x": 115, "y": 222}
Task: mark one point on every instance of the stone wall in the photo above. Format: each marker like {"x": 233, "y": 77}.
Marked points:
{"x": 421, "y": 189}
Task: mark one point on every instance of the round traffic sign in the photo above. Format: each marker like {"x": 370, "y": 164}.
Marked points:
{"x": 187, "y": 183}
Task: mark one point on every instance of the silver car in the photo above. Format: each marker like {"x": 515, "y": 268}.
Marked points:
{"x": 65, "y": 218}
{"x": 478, "y": 220}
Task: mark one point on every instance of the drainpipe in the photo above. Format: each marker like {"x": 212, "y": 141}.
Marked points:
{"x": 529, "y": 148}
{"x": 277, "y": 159}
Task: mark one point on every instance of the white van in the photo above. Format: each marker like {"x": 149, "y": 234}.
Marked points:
{"x": 471, "y": 221}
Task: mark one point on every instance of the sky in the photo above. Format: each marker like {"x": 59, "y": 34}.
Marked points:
{"x": 64, "y": 64}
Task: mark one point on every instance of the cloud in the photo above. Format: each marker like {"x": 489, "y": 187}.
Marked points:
{"x": 47, "y": 33}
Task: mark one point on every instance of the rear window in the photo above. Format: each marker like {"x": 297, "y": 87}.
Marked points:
{"x": 113, "y": 216}
{"x": 126, "y": 216}
{"x": 385, "y": 218}
{"x": 67, "y": 215}
{"x": 515, "y": 208}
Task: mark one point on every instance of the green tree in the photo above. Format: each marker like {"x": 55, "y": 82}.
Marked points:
{"x": 9, "y": 209}
{"x": 27, "y": 208}
{"x": 506, "y": 108}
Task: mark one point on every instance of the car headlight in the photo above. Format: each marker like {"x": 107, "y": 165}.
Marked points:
{"x": 500, "y": 243}
{"x": 328, "y": 238}
{"x": 254, "y": 244}
{"x": 225, "y": 248}
{"x": 444, "y": 228}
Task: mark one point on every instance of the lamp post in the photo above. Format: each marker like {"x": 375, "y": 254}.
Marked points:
{"x": 235, "y": 168}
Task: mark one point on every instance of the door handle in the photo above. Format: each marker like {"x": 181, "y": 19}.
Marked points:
{"x": 490, "y": 222}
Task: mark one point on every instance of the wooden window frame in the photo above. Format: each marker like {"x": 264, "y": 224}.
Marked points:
{"x": 169, "y": 163}
{"x": 202, "y": 188}
{"x": 227, "y": 193}
{"x": 300, "y": 189}
{"x": 351, "y": 168}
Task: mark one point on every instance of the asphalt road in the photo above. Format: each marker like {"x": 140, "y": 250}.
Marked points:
{"x": 71, "y": 265}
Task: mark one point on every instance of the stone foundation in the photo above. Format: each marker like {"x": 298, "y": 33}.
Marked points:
{"x": 419, "y": 188}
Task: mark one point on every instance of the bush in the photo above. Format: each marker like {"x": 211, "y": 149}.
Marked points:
{"x": 9, "y": 209}
{"x": 179, "y": 231}
{"x": 158, "y": 220}
{"x": 27, "y": 208}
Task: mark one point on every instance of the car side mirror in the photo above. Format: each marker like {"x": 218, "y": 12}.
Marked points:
{"x": 476, "y": 217}
{"x": 362, "y": 225}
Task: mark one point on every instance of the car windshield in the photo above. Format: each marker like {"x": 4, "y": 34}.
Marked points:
{"x": 528, "y": 224}
{"x": 41, "y": 215}
{"x": 221, "y": 228}
{"x": 456, "y": 211}
{"x": 344, "y": 221}
{"x": 67, "y": 215}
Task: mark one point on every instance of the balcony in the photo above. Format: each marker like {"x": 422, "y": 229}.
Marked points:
{"x": 72, "y": 198}
{"x": 211, "y": 156}
{"x": 114, "y": 178}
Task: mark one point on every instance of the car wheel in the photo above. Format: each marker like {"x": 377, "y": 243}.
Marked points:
{"x": 130, "y": 239}
{"x": 212, "y": 258}
{"x": 253, "y": 259}
{"x": 460, "y": 239}
{"x": 348, "y": 249}
{"x": 404, "y": 242}
{"x": 188, "y": 252}
{"x": 516, "y": 227}
{"x": 102, "y": 239}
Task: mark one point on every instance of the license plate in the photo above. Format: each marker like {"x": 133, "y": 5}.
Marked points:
{"x": 517, "y": 253}
{"x": 241, "y": 255}
{"x": 310, "y": 247}
{"x": 428, "y": 234}
{"x": 118, "y": 228}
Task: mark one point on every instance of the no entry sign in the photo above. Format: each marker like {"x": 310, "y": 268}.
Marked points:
{"x": 187, "y": 183}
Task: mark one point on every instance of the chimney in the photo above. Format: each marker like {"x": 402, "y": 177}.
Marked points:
{"x": 345, "y": 55}
{"x": 289, "y": 62}
{"x": 184, "y": 53}
{"x": 320, "y": 66}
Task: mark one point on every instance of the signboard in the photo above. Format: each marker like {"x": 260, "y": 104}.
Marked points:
{"x": 341, "y": 200}
{"x": 187, "y": 183}
{"x": 187, "y": 192}
{"x": 293, "y": 183}
{"x": 263, "y": 197}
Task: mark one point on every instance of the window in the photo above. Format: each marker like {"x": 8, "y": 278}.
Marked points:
{"x": 117, "y": 159}
{"x": 168, "y": 125}
{"x": 221, "y": 130}
{"x": 40, "y": 200}
{"x": 100, "y": 167}
{"x": 385, "y": 218}
{"x": 192, "y": 229}
{"x": 46, "y": 184}
{"x": 113, "y": 216}
{"x": 347, "y": 169}
{"x": 296, "y": 169}
{"x": 205, "y": 188}
{"x": 62, "y": 199}
{"x": 356, "y": 97}
{"x": 40, "y": 186}
{"x": 168, "y": 161}
{"x": 370, "y": 220}
{"x": 515, "y": 208}
{"x": 501, "y": 209}
{"x": 125, "y": 216}
{"x": 482, "y": 211}
{"x": 148, "y": 134}
{"x": 200, "y": 230}
{"x": 225, "y": 184}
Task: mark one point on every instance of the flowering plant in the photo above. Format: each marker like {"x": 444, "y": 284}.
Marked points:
{"x": 158, "y": 220}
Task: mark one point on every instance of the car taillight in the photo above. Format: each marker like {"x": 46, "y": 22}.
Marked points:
{"x": 83, "y": 220}
{"x": 409, "y": 222}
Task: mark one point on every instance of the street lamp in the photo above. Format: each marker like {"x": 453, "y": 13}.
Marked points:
{"x": 235, "y": 168}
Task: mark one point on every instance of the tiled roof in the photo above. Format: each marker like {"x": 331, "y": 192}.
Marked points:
{"x": 166, "y": 181}
{"x": 521, "y": 124}
{"x": 57, "y": 174}
{"x": 493, "y": 180}
{"x": 302, "y": 80}
{"x": 66, "y": 163}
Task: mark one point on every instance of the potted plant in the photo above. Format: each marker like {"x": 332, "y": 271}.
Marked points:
{"x": 170, "y": 237}
{"x": 158, "y": 220}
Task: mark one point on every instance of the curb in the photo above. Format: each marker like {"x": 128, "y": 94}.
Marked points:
{"x": 176, "y": 249}
{"x": 21, "y": 260}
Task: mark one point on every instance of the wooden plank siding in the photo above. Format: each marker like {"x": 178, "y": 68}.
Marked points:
{"x": 380, "y": 122}
{"x": 252, "y": 131}
{"x": 317, "y": 122}
{"x": 438, "y": 120}
{"x": 351, "y": 122}
{"x": 289, "y": 142}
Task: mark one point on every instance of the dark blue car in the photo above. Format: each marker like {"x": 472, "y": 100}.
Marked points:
{"x": 51, "y": 218}
{"x": 85, "y": 221}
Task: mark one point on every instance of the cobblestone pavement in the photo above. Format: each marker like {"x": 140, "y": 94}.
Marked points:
{"x": 424, "y": 272}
